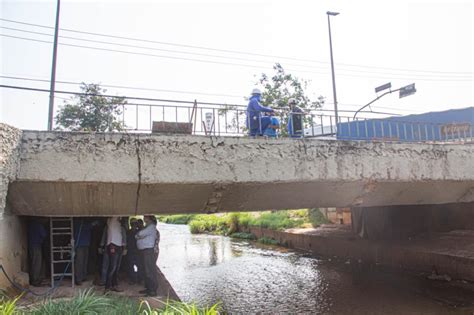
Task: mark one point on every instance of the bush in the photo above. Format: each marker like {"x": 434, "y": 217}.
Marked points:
{"x": 268, "y": 241}
{"x": 7, "y": 306}
{"x": 278, "y": 220}
{"x": 244, "y": 220}
{"x": 176, "y": 219}
{"x": 234, "y": 222}
{"x": 244, "y": 236}
{"x": 316, "y": 218}
{"x": 209, "y": 224}
{"x": 300, "y": 213}
{"x": 181, "y": 308}
{"x": 86, "y": 302}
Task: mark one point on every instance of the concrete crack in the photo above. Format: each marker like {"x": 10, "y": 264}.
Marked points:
{"x": 139, "y": 160}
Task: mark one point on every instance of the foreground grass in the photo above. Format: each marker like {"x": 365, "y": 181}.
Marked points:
{"x": 87, "y": 302}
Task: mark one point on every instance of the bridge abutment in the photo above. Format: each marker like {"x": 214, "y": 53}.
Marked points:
{"x": 13, "y": 243}
{"x": 403, "y": 222}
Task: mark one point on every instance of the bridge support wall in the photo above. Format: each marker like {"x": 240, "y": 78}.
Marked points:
{"x": 13, "y": 248}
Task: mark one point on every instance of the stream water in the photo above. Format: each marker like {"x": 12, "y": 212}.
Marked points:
{"x": 249, "y": 278}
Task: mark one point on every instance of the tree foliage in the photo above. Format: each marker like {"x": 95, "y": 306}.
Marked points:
{"x": 282, "y": 86}
{"x": 91, "y": 111}
{"x": 277, "y": 90}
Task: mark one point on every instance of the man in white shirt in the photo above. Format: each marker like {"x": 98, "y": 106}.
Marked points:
{"x": 115, "y": 241}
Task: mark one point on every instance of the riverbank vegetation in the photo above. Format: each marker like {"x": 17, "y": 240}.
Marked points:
{"x": 88, "y": 302}
{"x": 176, "y": 218}
{"x": 237, "y": 222}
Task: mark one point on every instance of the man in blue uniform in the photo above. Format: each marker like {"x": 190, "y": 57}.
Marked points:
{"x": 272, "y": 130}
{"x": 256, "y": 123}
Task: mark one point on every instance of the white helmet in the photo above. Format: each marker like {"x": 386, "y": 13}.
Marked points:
{"x": 292, "y": 101}
{"x": 256, "y": 91}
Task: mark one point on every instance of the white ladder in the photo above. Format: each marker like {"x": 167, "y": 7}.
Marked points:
{"x": 61, "y": 232}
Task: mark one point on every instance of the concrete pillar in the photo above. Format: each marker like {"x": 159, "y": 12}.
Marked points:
{"x": 13, "y": 248}
{"x": 402, "y": 222}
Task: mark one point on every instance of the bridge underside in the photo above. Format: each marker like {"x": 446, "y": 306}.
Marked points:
{"x": 59, "y": 198}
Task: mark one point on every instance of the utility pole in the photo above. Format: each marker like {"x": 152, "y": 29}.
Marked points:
{"x": 329, "y": 14}
{"x": 53, "y": 70}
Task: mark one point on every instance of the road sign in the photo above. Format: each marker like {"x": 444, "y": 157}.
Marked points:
{"x": 407, "y": 90}
{"x": 383, "y": 87}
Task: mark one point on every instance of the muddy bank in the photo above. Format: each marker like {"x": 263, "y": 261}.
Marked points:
{"x": 450, "y": 253}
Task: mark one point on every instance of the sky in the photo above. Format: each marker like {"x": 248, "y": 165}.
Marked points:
{"x": 429, "y": 43}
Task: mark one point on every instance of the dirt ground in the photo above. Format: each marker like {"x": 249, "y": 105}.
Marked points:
{"x": 65, "y": 290}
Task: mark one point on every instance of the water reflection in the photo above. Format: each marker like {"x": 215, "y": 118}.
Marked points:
{"x": 249, "y": 278}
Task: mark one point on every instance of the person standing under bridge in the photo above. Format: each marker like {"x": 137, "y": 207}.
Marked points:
{"x": 37, "y": 234}
{"x": 82, "y": 238}
{"x": 256, "y": 123}
{"x": 113, "y": 245}
{"x": 134, "y": 267}
{"x": 146, "y": 244}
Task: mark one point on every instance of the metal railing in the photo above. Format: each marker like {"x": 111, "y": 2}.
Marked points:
{"x": 230, "y": 120}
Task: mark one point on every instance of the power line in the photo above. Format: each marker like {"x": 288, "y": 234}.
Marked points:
{"x": 16, "y": 87}
{"x": 125, "y": 87}
{"x": 215, "y": 56}
{"x": 187, "y": 92}
{"x": 232, "y": 51}
{"x": 146, "y": 99}
{"x": 136, "y": 53}
{"x": 149, "y": 48}
{"x": 223, "y": 63}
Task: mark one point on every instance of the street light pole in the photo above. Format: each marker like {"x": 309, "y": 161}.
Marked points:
{"x": 404, "y": 91}
{"x": 53, "y": 70}
{"x": 329, "y": 13}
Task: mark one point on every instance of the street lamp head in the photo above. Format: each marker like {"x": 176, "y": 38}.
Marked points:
{"x": 332, "y": 13}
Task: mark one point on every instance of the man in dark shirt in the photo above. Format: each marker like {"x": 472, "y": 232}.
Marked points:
{"x": 82, "y": 238}
{"x": 295, "y": 119}
{"x": 36, "y": 237}
{"x": 134, "y": 269}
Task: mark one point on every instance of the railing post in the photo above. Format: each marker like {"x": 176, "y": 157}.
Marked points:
{"x": 374, "y": 129}
{"x": 357, "y": 125}
{"x": 151, "y": 119}
{"x": 349, "y": 127}
{"x": 366, "y": 129}
{"x": 136, "y": 117}
{"x": 398, "y": 130}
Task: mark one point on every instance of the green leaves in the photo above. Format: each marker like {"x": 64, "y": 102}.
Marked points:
{"x": 91, "y": 111}
{"x": 280, "y": 88}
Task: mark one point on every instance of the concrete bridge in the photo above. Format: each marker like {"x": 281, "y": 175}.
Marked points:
{"x": 79, "y": 174}
{"x": 62, "y": 173}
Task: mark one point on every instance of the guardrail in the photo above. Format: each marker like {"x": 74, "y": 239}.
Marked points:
{"x": 230, "y": 120}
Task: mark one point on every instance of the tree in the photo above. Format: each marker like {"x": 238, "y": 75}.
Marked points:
{"x": 91, "y": 111}
{"x": 277, "y": 90}
{"x": 282, "y": 86}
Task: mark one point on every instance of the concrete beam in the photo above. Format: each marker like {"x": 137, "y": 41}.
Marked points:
{"x": 103, "y": 174}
